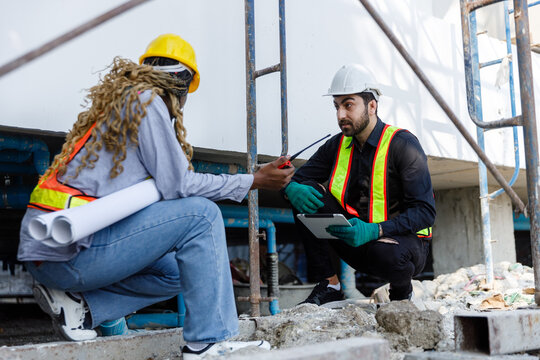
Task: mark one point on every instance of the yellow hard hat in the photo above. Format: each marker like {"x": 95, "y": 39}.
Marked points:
{"x": 174, "y": 47}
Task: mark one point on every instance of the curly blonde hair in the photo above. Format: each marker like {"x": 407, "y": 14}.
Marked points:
{"x": 119, "y": 90}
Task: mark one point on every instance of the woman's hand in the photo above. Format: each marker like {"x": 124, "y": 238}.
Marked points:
{"x": 271, "y": 177}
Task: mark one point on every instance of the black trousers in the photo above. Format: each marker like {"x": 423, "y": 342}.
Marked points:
{"x": 395, "y": 258}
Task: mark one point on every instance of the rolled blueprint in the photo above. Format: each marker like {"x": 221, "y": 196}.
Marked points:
{"x": 40, "y": 226}
{"x": 70, "y": 225}
{"x": 40, "y": 229}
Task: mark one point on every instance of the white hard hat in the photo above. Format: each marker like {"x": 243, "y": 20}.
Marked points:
{"x": 353, "y": 79}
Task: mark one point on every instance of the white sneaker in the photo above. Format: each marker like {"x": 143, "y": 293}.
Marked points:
{"x": 67, "y": 313}
{"x": 222, "y": 348}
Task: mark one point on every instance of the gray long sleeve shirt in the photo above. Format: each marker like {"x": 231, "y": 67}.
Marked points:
{"x": 158, "y": 155}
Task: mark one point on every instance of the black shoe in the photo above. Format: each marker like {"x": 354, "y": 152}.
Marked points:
{"x": 323, "y": 294}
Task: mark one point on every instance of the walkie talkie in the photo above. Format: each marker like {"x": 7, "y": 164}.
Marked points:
{"x": 288, "y": 163}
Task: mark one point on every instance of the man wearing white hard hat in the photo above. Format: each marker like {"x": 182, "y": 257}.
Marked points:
{"x": 376, "y": 175}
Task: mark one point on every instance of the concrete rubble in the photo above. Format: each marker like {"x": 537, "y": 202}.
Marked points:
{"x": 404, "y": 330}
{"x": 426, "y": 324}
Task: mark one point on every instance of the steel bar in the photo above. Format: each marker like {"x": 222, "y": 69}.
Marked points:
{"x": 520, "y": 207}
{"x": 251, "y": 75}
{"x": 475, "y": 5}
{"x": 496, "y": 124}
{"x": 490, "y": 63}
{"x": 70, "y": 35}
{"x": 497, "y": 333}
{"x": 283, "y": 80}
{"x": 511, "y": 88}
{"x": 521, "y": 17}
{"x": 530, "y": 5}
{"x": 253, "y": 197}
{"x": 268, "y": 70}
{"x": 485, "y": 224}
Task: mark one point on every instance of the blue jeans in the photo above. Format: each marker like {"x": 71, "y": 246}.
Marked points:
{"x": 169, "y": 247}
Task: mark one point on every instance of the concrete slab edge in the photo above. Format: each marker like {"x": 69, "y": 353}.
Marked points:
{"x": 432, "y": 355}
{"x": 164, "y": 344}
{"x": 155, "y": 344}
{"x": 346, "y": 349}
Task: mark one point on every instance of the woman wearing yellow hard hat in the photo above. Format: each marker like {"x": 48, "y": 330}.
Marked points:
{"x": 173, "y": 246}
{"x": 170, "y": 47}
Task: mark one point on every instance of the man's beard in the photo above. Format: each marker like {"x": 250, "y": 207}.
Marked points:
{"x": 356, "y": 127}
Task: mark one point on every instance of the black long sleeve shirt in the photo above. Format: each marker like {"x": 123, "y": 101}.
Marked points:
{"x": 410, "y": 202}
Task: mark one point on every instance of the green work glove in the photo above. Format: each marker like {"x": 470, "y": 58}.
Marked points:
{"x": 356, "y": 235}
{"x": 304, "y": 198}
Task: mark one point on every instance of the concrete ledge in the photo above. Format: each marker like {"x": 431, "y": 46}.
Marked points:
{"x": 346, "y": 349}
{"x": 166, "y": 344}
{"x": 155, "y": 344}
{"x": 152, "y": 344}
{"x": 465, "y": 356}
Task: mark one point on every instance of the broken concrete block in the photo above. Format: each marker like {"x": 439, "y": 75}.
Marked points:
{"x": 418, "y": 328}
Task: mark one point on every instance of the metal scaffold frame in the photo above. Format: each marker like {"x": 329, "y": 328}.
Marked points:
{"x": 527, "y": 119}
{"x": 253, "y": 197}
{"x": 474, "y": 102}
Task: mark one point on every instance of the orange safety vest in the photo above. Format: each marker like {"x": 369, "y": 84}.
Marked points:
{"x": 378, "y": 211}
{"x": 51, "y": 195}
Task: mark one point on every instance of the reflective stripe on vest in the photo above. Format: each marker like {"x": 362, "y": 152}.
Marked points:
{"x": 340, "y": 174}
{"x": 50, "y": 195}
{"x": 377, "y": 205}
{"x": 377, "y": 202}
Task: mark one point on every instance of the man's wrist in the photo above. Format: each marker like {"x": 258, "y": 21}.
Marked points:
{"x": 288, "y": 187}
{"x": 380, "y": 230}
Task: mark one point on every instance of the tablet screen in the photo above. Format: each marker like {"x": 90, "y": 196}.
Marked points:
{"x": 317, "y": 223}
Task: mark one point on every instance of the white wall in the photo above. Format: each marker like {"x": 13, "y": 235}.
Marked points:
{"x": 321, "y": 36}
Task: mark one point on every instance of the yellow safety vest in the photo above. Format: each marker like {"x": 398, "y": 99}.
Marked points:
{"x": 51, "y": 195}
{"x": 339, "y": 179}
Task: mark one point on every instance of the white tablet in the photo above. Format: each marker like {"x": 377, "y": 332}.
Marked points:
{"x": 317, "y": 223}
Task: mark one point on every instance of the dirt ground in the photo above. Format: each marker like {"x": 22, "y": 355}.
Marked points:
{"x": 22, "y": 324}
